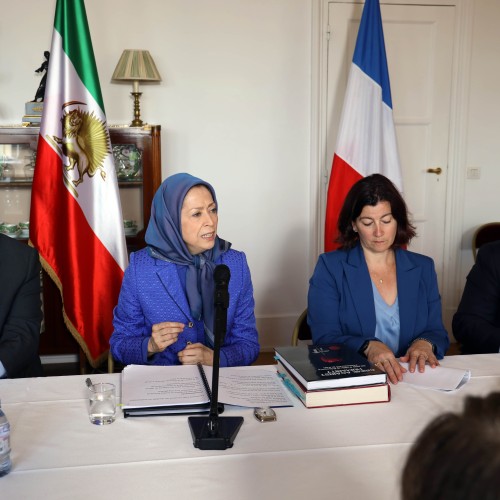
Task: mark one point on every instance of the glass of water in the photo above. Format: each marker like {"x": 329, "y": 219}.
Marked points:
{"x": 102, "y": 403}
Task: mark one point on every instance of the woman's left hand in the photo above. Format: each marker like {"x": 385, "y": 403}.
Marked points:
{"x": 196, "y": 353}
{"x": 418, "y": 354}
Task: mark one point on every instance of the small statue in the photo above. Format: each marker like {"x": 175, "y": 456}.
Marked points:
{"x": 41, "y": 88}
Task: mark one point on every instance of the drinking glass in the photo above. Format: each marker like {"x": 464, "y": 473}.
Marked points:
{"x": 102, "y": 403}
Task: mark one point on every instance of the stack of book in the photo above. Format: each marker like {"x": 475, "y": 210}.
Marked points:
{"x": 330, "y": 375}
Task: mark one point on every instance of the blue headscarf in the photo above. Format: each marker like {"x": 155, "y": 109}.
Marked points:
{"x": 164, "y": 240}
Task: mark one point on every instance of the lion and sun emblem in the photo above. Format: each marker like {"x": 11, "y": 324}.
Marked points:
{"x": 84, "y": 143}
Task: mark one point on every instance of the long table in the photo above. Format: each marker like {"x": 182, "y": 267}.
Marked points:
{"x": 353, "y": 452}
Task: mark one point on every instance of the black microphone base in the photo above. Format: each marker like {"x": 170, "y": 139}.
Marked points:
{"x": 219, "y": 439}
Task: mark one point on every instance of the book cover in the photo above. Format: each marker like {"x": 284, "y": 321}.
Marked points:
{"x": 328, "y": 366}
{"x": 376, "y": 393}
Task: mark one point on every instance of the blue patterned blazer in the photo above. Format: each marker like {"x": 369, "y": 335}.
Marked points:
{"x": 152, "y": 292}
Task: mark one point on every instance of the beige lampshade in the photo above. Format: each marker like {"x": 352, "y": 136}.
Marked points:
{"x": 136, "y": 65}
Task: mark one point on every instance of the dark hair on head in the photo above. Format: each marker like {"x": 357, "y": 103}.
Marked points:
{"x": 372, "y": 190}
{"x": 457, "y": 456}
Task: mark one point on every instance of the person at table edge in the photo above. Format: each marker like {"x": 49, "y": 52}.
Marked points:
{"x": 457, "y": 455}
{"x": 165, "y": 310}
{"x": 373, "y": 295}
{"x": 20, "y": 310}
{"x": 476, "y": 324}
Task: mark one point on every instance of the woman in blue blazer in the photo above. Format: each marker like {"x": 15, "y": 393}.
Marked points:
{"x": 373, "y": 295}
{"x": 165, "y": 312}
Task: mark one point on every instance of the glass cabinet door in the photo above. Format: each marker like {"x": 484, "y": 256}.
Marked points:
{"x": 137, "y": 153}
{"x": 17, "y": 164}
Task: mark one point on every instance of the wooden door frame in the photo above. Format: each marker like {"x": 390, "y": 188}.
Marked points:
{"x": 451, "y": 285}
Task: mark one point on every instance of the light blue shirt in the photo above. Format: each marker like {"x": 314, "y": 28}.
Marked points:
{"x": 3, "y": 373}
{"x": 387, "y": 327}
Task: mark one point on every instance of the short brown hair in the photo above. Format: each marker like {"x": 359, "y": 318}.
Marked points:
{"x": 457, "y": 456}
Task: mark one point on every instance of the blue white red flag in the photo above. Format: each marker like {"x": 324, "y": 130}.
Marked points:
{"x": 366, "y": 142}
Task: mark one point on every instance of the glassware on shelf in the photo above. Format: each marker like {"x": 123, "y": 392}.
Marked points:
{"x": 10, "y": 229}
{"x": 29, "y": 170}
{"x": 24, "y": 227}
{"x": 29, "y": 167}
{"x": 7, "y": 169}
{"x": 128, "y": 162}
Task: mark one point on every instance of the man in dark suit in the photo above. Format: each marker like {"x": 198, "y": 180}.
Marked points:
{"x": 20, "y": 310}
{"x": 476, "y": 324}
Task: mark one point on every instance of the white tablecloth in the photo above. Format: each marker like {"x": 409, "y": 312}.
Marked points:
{"x": 353, "y": 452}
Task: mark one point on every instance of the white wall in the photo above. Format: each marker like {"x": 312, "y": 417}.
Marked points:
{"x": 234, "y": 109}
{"x": 481, "y": 202}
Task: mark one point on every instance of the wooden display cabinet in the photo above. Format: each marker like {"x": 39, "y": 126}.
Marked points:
{"x": 17, "y": 148}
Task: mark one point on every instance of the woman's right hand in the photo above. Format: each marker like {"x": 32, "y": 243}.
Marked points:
{"x": 163, "y": 335}
{"x": 382, "y": 357}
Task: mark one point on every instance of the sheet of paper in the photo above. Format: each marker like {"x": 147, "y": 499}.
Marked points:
{"x": 154, "y": 386}
{"x": 149, "y": 386}
{"x": 252, "y": 387}
{"x": 440, "y": 378}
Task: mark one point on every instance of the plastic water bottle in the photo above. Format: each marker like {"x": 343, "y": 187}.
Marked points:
{"x": 5, "y": 462}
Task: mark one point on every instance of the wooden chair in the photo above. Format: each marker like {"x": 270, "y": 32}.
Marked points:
{"x": 301, "y": 330}
{"x": 485, "y": 234}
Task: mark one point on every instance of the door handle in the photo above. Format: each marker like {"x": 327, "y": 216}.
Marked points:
{"x": 436, "y": 170}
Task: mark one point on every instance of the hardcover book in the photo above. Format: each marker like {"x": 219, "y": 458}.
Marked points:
{"x": 328, "y": 366}
{"x": 376, "y": 393}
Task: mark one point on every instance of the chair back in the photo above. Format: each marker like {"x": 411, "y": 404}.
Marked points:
{"x": 301, "y": 330}
{"x": 485, "y": 234}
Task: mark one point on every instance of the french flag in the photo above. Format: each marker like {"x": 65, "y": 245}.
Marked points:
{"x": 366, "y": 142}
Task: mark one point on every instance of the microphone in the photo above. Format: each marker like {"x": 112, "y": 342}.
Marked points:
{"x": 222, "y": 276}
{"x": 214, "y": 432}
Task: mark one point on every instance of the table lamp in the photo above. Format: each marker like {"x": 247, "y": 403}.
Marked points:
{"x": 136, "y": 66}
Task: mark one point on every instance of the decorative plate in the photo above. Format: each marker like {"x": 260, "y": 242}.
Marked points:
{"x": 128, "y": 162}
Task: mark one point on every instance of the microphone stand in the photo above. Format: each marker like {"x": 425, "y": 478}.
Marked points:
{"x": 215, "y": 432}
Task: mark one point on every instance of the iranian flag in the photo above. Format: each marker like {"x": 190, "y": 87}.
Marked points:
{"x": 76, "y": 218}
{"x": 366, "y": 141}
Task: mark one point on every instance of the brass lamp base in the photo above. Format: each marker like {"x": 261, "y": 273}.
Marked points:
{"x": 137, "y": 122}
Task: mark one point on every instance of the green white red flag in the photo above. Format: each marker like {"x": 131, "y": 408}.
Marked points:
{"x": 76, "y": 218}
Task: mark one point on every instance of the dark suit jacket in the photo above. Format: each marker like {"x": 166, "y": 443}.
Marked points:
{"x": 476, "y": 324}
{"x": 341, "y": 305}
{"x": 20, "y": 309}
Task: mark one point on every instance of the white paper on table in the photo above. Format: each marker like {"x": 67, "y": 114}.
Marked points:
{"x": 153, "y": 386}
{"x": 440, "y": 378}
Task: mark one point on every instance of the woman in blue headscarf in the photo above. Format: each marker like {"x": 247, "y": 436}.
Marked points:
{"x": 165, "y": 310}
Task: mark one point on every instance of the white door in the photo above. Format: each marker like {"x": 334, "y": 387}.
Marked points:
{"x": 419, "y": 46}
